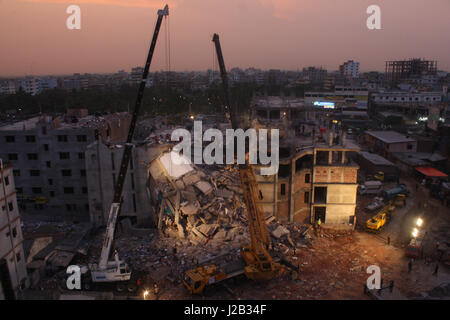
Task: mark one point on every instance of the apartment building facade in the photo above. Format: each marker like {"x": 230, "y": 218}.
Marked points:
{"x": 13, "y": 272}
{"x": 48, "y": 157}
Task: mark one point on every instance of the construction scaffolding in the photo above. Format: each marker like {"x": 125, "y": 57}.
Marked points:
{"x": 403, "y": 69}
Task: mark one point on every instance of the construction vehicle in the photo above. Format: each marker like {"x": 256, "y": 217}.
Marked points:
{"x": 381, "y": 176}
{"x": 258, "y": 264}
{"x": 400, "y": 200}
{"x": 375, "y": 223}
{"x": 117, "y": 271}
{"x": 390, "y": 194}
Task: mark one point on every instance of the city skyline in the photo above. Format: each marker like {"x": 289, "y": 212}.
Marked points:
{"x": 265, "y": 34}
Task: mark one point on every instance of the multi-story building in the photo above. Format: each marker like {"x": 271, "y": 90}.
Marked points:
{"x": 349, "y": 69}
{"x": 136, "y": 75}
{"x": 7, "y": 87}
{"x": 102, "y": 167}
{"x": 13, "y": 272}
{"x": 48, "y": 156}
{"x": 315, "y": 75}
{"x": 318, "y": 182}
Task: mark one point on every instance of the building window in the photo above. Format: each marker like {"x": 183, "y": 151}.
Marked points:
{"x": 283, "y": 189}
{"x": 68, "y": 190}
{"x": 52, "y": 194}
{"x": 306, "y": 197}
{"x": 36, "y": 190}
{"x": 84, "y": 189}
{"x": 307, "y": 178}
{"x": 409, "y": 146}
{"x": 6, "y": 180}
{"x": 16, "y": 173}
{"x": 80, "y": 155}
{"x": 66, "y": 173}
{"x": 10, "y": 138}
{"x": 62, "y": 138}
{"x": 10, "y": 206}
{"x": 320, "y": 194}
{"x": 30, "y": 138}
{"x": 50, "y": 182}
{"x": 45, "y": 147}
{"x": 32, "y": 156}
{"x": 18, "y": 256}
{"x": 83, "y": 172}
{"x": 81, "y": 138}
{"x": 64, "y": 155}
{"x": 13, "y": 156}
{"x": 35, "y": 173}
{"x": 49, "y": 164}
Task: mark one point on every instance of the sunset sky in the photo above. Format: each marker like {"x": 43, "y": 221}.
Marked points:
{"x": 278, "y": 34}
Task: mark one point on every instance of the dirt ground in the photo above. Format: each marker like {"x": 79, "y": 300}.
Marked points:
{"x": 334, "y": 267}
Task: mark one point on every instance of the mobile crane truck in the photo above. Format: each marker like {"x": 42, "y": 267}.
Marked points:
{"x": 117, "y": 271}
{"x": 256, "y": 263}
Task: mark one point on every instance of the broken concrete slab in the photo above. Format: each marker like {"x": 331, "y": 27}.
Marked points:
{"x": 224, "y": 193}
{"x": 204, "y": 187}
{"x": 191, "y": 179}
{"x": 280, "y": 231}
{"x": 190, "y": 208}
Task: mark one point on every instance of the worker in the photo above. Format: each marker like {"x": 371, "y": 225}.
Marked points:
{"x": 389, "y": 240}
{"x": 409, "y": 266}
{"x": 436, "y": 269}
{"x": 155, "y": 289}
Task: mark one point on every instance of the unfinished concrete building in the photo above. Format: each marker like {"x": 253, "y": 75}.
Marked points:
{"x": 318, "y": 181}
{"x": 13, "y": 272}
{"x": 404, "y": 69}
{"x": 102, "y": 168}
{"x": 48, "y": 156}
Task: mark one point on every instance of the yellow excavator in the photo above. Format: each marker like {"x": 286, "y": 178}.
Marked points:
{"x": 256, "y": 263}
{"x": 377, "y": 222}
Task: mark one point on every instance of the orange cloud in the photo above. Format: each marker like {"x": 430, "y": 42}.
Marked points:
{"x": 157, "y": 4}
{"x": 284, "y": 9}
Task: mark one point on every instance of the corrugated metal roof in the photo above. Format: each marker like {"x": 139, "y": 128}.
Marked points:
{"x": 390, "y": 136}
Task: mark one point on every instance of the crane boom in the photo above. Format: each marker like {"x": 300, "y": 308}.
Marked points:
{"x": 118, "y": 189}
{"x": 260, "y": 264}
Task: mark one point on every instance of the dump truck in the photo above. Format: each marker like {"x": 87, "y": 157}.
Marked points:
{"x": 390, "y": 194}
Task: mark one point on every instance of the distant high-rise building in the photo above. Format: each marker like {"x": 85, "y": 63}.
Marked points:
{"x": 315, "y": 75}
{"x": 350, "y": 69}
